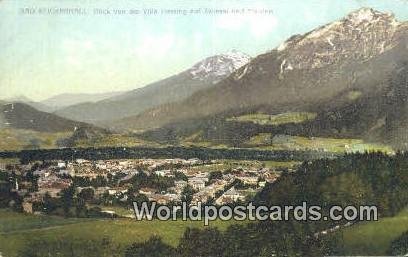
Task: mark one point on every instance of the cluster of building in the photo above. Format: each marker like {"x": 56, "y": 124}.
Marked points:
{"x": 58, "y": 175}
{"x": 220, "y": 190}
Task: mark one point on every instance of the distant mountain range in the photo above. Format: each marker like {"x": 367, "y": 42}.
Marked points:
{"x": 23, "y": 116}
{"x": 24, "y": 121}
{"x": 351, "y": 73}
{"x": 61, "y": 101}
{"x": 348, "y": 78}
{"x": 201, "y": 76}
{"x": 64, "y": 100}
{"x": 26, "y": 100}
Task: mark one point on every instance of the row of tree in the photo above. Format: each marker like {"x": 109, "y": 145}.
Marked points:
{"x": 109, "y": 153}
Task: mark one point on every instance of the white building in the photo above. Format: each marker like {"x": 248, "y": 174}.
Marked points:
{"x": 196, "y": 183}
{"x": 180, "y": 184}
{"x": 61, "y": 165}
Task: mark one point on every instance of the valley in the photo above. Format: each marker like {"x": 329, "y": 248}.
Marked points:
{"x": 319, "y": 120}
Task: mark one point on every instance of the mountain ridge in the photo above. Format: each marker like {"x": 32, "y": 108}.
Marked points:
{"x": 358, "y": 53}
{"x": 68, "y": 99}
{"x": 23, "y": 116}
{"x": 201, "y": 75}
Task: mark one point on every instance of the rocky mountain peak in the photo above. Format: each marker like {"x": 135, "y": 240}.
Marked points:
{"x": 369, "y": 15}
{"x": 359, "y": 36}
{"x": 218, "y": 67}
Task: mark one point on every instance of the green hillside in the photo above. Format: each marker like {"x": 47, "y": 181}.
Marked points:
{"x": 374, "y": 238}
{"x": 16, "y": 230}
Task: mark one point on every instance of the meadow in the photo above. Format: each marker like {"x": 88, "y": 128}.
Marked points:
{"x": 278, "y": 119}
{"x": 18, "y": 139}
{"x": 16, "y": 229}
{"x": 374, "y": 238}
{"x": 266, "y": 141}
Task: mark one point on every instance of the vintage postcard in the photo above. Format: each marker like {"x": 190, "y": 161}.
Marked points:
{"x": 196, "y": 128}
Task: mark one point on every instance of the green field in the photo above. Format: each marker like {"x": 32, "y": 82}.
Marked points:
{"x": 281, "y": 164}
{"x": 197, "y": 140}
{"x": 278, "y": 119}
{"x": 374, "y": 238}
{"x": 371, "y": 238}
{"x": 116, "y": 140}
{"x": 18, "y": 139}
{"x": 286, "y": 142}
{"x": 17, "y": 228}
{"x": 223, "y": 165}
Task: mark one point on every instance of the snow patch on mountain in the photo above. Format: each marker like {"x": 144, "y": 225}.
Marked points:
{"x": 220, "y": 66}
{"x": 359, "y": 36}
{"x": 364, "y": 14}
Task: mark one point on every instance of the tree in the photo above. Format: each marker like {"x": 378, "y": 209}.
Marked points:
{"x": 99, "y": 181}
{"x": 87, "y": 194}
{"x": 204, "y": 243}
{"x": 180, "y": 176}
{"x": 399, "y": 247}
{"x": 154, "y": 247}
{"x": 141, "y": 198}
{"x": 215, "y": 175}
{"x": 187, "y": 194}
{"x": 238, "y": 184}
{"x": 80, "y": 208}
{"x": 48, "y": 204}
{"x": 346, "y": 189}
{"x": 67, "y": 199}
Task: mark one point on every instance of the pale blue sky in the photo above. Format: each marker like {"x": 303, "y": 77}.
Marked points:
{"x": 44, "y": 55}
